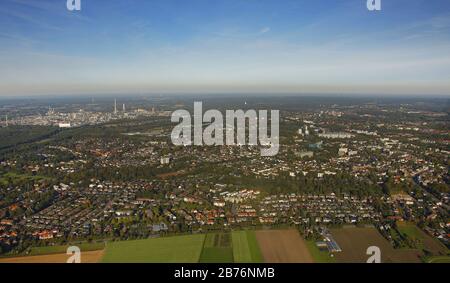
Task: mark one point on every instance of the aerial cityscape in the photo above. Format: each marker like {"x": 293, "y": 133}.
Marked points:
{"x": 209, "y": 135}
{"x": 347, "y": 170}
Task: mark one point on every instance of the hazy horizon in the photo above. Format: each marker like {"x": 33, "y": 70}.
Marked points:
{"x": 239, "y": 47}
{"x": 197, "y": 95}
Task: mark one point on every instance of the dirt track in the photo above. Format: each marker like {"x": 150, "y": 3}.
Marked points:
{"x": 86, "y": 257}
{"x": 283, "y": 246}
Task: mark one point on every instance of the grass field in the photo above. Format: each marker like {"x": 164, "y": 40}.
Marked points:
{"x": 177, "y": 249}
{"x": 217, "y": 248}
{"x": 424, "y": 240}
{"x": 410, "y": 230}
{"x": 213, "y": 248}
{"x": 318, "y": 255}
{"x": 245, "y": 247}
{"x": 355, "y": 241}
{"x": 14, "y": 178}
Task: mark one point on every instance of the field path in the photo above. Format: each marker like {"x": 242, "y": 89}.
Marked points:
{"x": 86, "y": 257}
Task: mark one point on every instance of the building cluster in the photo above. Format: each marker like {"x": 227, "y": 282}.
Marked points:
{"x": 336, "y": 166}
{"x": 81, "y": 117}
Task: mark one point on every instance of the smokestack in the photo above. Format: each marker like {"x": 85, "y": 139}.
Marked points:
{"x": 123, "y": 107}
{"x": 115, "y": 106}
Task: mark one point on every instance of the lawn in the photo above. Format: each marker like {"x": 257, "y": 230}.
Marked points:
{"x": 245, "y": 247}
{"x": 318, "y": 255}
{"x": 177, "y": 249}
{"x": 217, "y": 248}
{"x": 410, "y": 230}
{"x": 423, "y": 240}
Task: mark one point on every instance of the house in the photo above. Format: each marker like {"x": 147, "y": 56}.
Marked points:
{"x": 159, "y": 227}
{"x": 45, "y": 235}
{"x": 8, "y": 222}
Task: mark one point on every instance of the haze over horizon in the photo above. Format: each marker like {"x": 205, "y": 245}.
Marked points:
{"x": 225, "y": 46}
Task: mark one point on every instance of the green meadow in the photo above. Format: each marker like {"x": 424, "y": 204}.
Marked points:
{"x": 421, "y": 239}
{"x": 177, "y": 249}
{"x": 238, "y": 246}
{"x": 217, "y": 248}
{"x": 245, "y": 247}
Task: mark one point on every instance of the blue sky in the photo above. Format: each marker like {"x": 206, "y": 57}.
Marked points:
{"x": 219, "y": 46}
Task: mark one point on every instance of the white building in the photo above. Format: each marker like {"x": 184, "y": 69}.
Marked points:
{"x": 165, "y": 160}
{"x": 65, "y": 125}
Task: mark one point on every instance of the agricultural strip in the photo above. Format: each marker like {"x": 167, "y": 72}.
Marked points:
{"x": 283, "y": 246}
{"x": 217, "y": 248}
{"x": 245, "y": 247}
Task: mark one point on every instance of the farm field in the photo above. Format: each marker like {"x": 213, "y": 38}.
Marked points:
{"x": 213, "y": 247}
{"x": 217, "y": 248}
{"x": 355, "y": 241}
{"x": 283, "y": 246}
{"x": 272, "y": 246}
{"x": 86, "y": 257}
{"x": 245, "y": 247}
{"x": 176, "y": 249}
